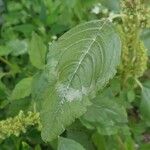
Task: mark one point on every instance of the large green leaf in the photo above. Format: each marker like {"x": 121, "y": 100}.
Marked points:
{"x": 79, "y": 63}
{"x": 68, "y": 144}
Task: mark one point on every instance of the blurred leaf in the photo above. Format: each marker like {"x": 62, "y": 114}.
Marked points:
{"x": 4, "y": 50}
{"x": 50, "y": 19}
{"x": 14, "y": 6}
{"x": 37, "y": 51}
{"x": 22, "y": 89}
{"x": 112, "y": 5}
{"x": 99, "y": 141}
{"x": 1, "y": 75}
{"x": 3, "y": 95}
{"x": 37, "y": 147}
{"x": 1, "y": 6}
{"x": 80, "y": 134}
{"x": 16, "y": 105}
{"x": 43, "y": 14}
{"x": 67, "y": 3}
{"x": 26, "y": 29}
{"x": 26, "y": 146}
{"x": 58, "y": 28}
{"x": 146, "y": 38}
{"x": 68, "y": 144}
{"x": 145, "y": 146}
{"x": 115, "y": 86}
{"x": 131, "y": 95}
{"x": 17, "y": 47}
{"x": 130, "y": 144}
{"x": 15, "y": 68}
{"x": 145, "y": 104}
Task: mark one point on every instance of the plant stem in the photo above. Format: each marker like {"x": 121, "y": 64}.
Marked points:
{"x": 139, "y": 83}
{"x": 121, "y": 144}
{"x": 5, "y": 61}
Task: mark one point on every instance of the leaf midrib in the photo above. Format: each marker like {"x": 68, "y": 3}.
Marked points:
{"x": 83, "y": 56}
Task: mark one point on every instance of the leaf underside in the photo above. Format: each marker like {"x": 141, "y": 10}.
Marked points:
{"x": 79, "y": 64}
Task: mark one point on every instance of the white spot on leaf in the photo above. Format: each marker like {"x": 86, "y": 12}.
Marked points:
{"x": 95, "y": 10}
{"x": 68, "y": 94}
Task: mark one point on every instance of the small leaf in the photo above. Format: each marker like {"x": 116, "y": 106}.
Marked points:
{"x": 4, "y": 50}
{"x": 145, "y": 104}
{"x": 99, "y": 141}
{"x": 25, "y": 28}
{"x": 37, "y": 51}
{"x": 131, "y": 95}
{"x": 68, "y": 144}
{"x": 17, "y": 47}
{"x": 25, "y": 146}
{"x": 37, "y": 147}
{"x": 22, "y": 89}
{"x": 105, "y": 114}
{"x": 80, "y": 134}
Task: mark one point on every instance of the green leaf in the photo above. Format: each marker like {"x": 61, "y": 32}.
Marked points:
{"x": 105, "y": 114}
{"x": 80, "y": 134}
{"x": 146, "y": 38}
{"x": 99, "y": 141}
{"x": 79, "y": 63}
{"x": 25, "y": 146}
{"x": 37, "y": 51}
{"x": 145, "y": 146}
{"x": 37, "y": 147}
{"x": 68, "y": 144}
{"x": 4, "y": 50}
{"x": 22, "y": 89}
{"x": 111, "y": 5}
{"x": 26, "y": 29}
{"x": 17, "y": 47}
{"x": 131, "y": 95}
{"x": 16, "y": 105}
{"x": 2, "y": 74}
{"x": 145, "y": 104}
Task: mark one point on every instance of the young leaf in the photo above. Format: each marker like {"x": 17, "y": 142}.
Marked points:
{"x": 68, "y": 144}
{"x": 37, "y": 51}
{"x": 145, "y": 104}
{"x": 22, "y": 89}
{"x": 79, "y": 63}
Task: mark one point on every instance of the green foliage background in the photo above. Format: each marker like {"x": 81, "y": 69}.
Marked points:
{"x": 118, "y": 119}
